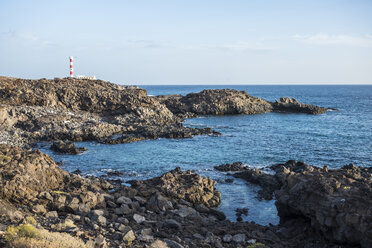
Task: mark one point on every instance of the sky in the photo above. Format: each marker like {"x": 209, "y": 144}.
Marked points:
{"x": 189, "y": 41}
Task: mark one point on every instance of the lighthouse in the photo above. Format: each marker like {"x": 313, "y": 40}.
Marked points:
{"x": 71, "y": 66}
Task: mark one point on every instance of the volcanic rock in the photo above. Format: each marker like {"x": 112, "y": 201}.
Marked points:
{"x": 66, "y": 147}
{"x": 338, "y": 202}
{"x": 237, "y": 166}
{"x": 287, "y": 104}
{"x": 184, "y": 185}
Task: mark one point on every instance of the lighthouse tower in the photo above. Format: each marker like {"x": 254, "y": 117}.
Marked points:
{"x": 71, "y": 66}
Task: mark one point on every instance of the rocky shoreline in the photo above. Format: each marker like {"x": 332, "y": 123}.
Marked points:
{"x": 318, "y": 207}
{"x": 94, "y": 110}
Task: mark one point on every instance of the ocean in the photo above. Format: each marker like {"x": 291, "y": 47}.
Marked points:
{"x": 335, "y": 138}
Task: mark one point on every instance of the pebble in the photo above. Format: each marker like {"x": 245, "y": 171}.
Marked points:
{"x": 123, "y": 200}
{"x": 239, "y": 238}
{"x": 129, "y": 237}
{"x": 139, "y": 218}
{"x": 171, "y": 223}
{"x": 227, "y": 238}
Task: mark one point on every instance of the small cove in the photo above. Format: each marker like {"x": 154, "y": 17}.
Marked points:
{"x": 335, "y": 138}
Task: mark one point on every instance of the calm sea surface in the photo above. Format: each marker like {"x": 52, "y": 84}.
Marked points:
{"x": 335, "y": 138}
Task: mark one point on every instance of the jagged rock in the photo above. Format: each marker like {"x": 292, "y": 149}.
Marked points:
{"x": 139, "y": 218}
{"x": 123, "y": 200}
{"x": 185, "y": 211}
{"x": 83, "y": 110}
{"x": 25, "y": 174}
{"x": 39, "y": 209}
{"x": 172, "y": 224}
{"x": 52, "y": 214}
{"x": 128, "y": 237}
{"x": 338, "y": 202}
{"x": 173, "y": 244}
{"x": 100, "y": 242}
{"x": 66, "y": 147}
{"x": 158, "y": 244}
{"x": 101, "y": 220}
{"x": 229, "y": 101}
{"x": 184, "y": 185}
{"x": 237, "y": 166}
{"x": 287, "y": 104}
{"x": 86, "y": 110}
{"x": 239, "y": 238}
{"x": 219, "y": 214}
{"x": 216, "y": 102}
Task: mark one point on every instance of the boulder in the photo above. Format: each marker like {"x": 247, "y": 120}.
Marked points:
{"x": 184, "y": 185}
{"x": 66, "y": 147}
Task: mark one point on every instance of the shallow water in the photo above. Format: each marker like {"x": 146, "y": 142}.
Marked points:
{"x": 335, "y": 138}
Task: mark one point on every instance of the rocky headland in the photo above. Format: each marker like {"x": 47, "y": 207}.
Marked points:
{"x": 43, "y": 205}
{"x": 94, "y": 110}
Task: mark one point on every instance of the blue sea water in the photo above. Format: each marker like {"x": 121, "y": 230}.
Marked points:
{"x": 335, "y": 138}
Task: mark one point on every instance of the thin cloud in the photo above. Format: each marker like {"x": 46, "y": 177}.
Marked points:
{"x": 326, "y": 39}
{"x": 242, "y": 46}
{"x": 142, "y": 44}
{"x": 26, "y": 38}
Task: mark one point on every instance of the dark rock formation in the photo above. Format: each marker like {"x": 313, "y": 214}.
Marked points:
{"x": 121, "y": 139}
{"x": 28, "y": 176}
{"x": 66, "y": 147}
{"x": 94, "y": 110}
{"x": 185, "y": 185}
{"x": 335, "y": 202}
{"x": 216, "y": 102}
{"x": 287, "y": 104}
{"x": 169, "y": 209}
{"x": 237, "y": 166}
{"x": 173, "y": 131}
{"x": 338, "y": 202}
{"x": 75, "y": 94}
{"x": 83, "y": 110}
{"x": 175, "y": 209}
{"x": 229, "y": 102}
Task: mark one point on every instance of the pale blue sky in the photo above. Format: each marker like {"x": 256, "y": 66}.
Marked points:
{"x": 189, "y": 41}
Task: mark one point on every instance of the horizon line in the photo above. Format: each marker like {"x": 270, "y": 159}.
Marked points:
{"x": 215, "y": 84}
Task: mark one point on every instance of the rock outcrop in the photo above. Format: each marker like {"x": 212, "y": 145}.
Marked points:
{"x": 83, "y": 110}
{"x": 95, "y": 110}
{"x": 289, "y": 105}
{"x": 66, "y": 147}
{"x": 177, "y": 208}
{"x": 170, "y": 209}
{"x": 184, "y": 185}
{"x": 335, "y": 202}
{"x": 216, "y": 102}
{"x": 338, "y": 202}
{"x": 236, "y": 166}
{"x": 230, "y": 102}
{"x": 31, "y": 177}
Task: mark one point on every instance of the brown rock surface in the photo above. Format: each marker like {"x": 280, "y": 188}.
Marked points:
{"x": 82, "y": 110}
{"x": 287, "y": 104}
{"x": 338, "y": 202}
{"x": 216, "y": 102}
{"x": 229, "y": 102}
{"x": 185, "y": 185}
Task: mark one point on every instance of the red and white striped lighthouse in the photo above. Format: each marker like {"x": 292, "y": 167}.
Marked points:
{"x": 71, "y": 66}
